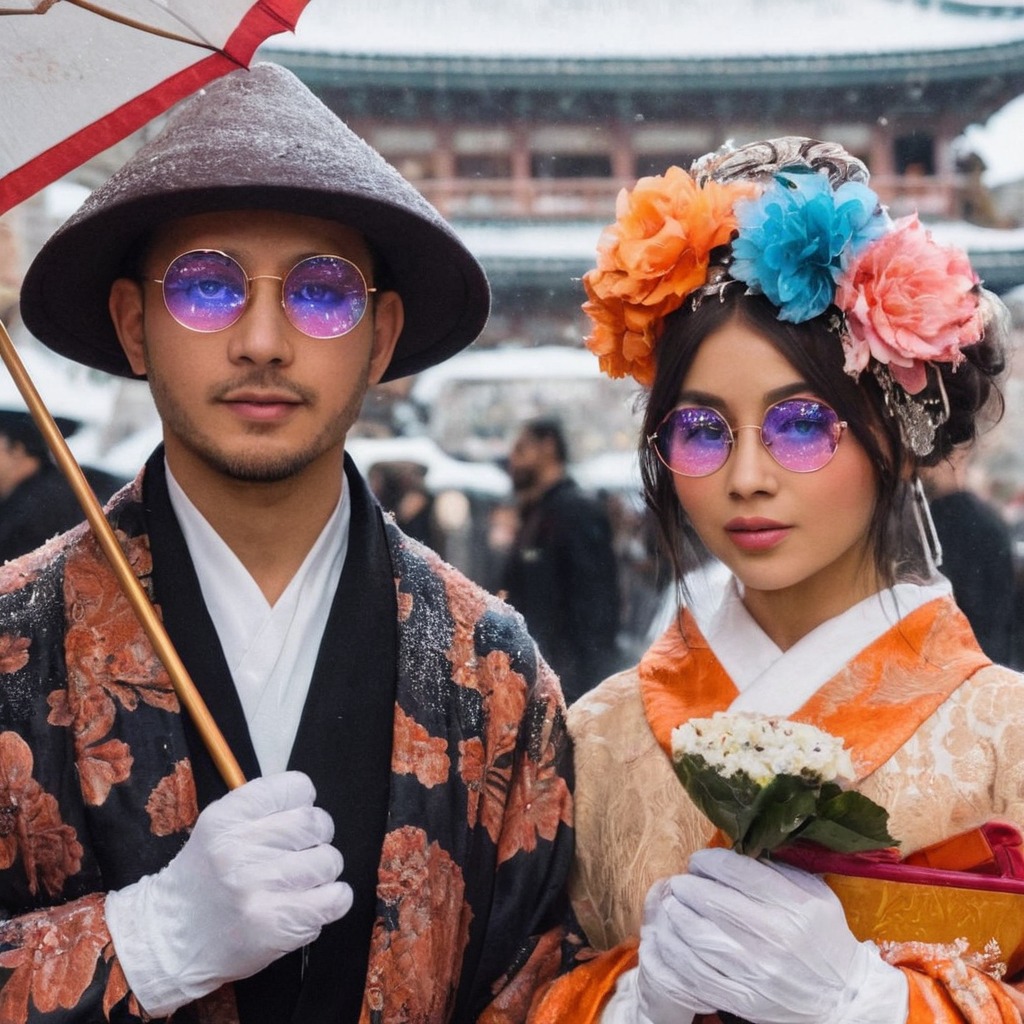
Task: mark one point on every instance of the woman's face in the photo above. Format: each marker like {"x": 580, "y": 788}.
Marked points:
{"x": 798, "y": 542}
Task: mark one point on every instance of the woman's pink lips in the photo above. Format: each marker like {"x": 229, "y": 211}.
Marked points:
{"x": 756, "y": 534}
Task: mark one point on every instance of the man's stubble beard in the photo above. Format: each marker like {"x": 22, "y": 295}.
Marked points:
{"x": 255, "y": 466}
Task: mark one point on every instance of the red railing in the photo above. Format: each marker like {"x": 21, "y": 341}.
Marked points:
{"x": 594, "y": 198}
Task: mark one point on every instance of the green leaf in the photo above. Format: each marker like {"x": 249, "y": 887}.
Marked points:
{"x": 848, "y": 822}
{"x": 829, "y": 791}
{"x": 781, "y": 807}
{"x": 729, "y": 803}
{"x": 758, "y": 819}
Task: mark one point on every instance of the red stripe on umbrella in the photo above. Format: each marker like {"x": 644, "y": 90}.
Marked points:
{"x": 119, "y": 71}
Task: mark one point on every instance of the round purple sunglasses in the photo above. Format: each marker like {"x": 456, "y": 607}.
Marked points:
{"x": 207, "y": 290}
{"x": 800, "y": 434}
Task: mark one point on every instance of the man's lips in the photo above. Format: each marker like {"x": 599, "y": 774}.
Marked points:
{"x": 261, "y": 405}
{"x": 756, "y": 534}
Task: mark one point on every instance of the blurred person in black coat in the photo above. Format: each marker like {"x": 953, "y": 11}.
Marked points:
{"x": 36, "y": 501}
{"x": 977, "y": 555}
{"x": 561, "y": 570}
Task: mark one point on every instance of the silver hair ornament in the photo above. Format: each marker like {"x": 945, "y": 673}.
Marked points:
{"x": 918, "y": 419}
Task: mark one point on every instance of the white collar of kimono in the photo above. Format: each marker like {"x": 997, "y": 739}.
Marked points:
{"x": 776, "y": 682}
{"x": 270, "y": 650}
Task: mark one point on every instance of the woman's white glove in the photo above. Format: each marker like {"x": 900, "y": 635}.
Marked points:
{"x": 762, "y": 941}
{"x": 256, "y": 879}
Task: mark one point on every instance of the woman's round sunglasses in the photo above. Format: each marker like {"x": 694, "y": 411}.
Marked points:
{"x": 207, "y": 290}
{"x": 800, "y": 434}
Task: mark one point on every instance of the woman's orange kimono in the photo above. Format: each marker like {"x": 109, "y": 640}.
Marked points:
{"x": 937, "y": 736}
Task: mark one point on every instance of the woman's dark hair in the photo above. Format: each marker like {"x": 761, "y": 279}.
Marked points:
{"x": 815, "y": 351}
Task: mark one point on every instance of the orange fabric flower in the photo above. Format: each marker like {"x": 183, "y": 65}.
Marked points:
{"x": 418, "y": 753}
{"x": 538, "y": 803}
{"x": 653, "y": 256}
{"x": 51, "y": 958}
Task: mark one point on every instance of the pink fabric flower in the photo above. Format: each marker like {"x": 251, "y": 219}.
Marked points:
{"x": 908, "y": 301}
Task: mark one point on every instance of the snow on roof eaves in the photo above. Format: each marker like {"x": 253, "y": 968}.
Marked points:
{"x": 339, "y": 69}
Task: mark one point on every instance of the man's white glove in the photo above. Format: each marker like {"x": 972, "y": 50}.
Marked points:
{"x": 256, "y": 879}
{"x": 762, "y": 941}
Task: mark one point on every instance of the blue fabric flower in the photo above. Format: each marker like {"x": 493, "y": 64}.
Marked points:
{"x": 795, "y": 240}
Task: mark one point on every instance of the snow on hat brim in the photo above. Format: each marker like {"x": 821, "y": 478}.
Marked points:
{"x": 256, "y": 139}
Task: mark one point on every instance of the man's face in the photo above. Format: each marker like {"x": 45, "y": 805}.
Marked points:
{"x": 258, "y": 400}
{"x": 525, "y": 461}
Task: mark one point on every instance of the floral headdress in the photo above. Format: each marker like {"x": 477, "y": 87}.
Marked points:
{"x": 794, "y": 220}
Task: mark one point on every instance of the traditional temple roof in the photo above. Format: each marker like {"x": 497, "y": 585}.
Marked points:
{"x": 654, "y": 44}
{"x": 643, "y": 59}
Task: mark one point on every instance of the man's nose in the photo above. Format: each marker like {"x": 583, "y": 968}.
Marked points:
{"x": 263, "y": 334}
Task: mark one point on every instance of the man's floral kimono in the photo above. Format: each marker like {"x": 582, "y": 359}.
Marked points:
{"x": 433, "y": 732}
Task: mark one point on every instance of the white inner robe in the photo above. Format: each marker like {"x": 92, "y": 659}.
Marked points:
{"x": 270, "y": 649}
{"x": 776, "y": 682}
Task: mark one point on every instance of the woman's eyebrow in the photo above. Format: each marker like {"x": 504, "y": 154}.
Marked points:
{"x": 798, "y": 387}
{"x": 700, "y": 398}
{"x": 714, "y": 401}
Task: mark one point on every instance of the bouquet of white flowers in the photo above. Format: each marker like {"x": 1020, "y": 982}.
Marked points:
{"x": 765, "y": 781}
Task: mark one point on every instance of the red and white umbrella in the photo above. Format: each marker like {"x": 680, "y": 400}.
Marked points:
{"x": 76, "y": 76}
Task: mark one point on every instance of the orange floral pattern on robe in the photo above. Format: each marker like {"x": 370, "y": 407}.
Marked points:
{"x": 53, "y": 961}
{"x": 418, "y": 880}
{"x": 31, "y": 829}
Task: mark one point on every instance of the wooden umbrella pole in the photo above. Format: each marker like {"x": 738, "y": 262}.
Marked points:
{"x": 182, "y": 682}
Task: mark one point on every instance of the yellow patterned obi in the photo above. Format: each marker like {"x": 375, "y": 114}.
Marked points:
{"x": 968, "y": 888}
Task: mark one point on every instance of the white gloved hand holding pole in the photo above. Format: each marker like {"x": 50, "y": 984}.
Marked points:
{"x": 762, "y": 941}
{"x": 256, "y": 879}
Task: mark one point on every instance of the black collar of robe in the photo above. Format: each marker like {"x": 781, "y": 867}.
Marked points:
{"x": 343, "y": 742}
